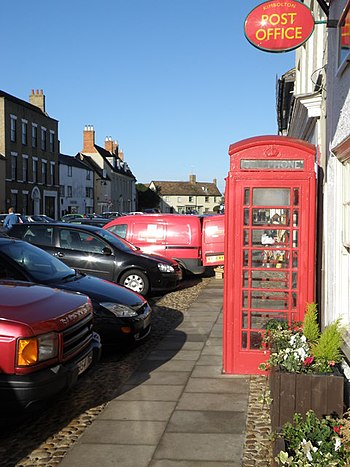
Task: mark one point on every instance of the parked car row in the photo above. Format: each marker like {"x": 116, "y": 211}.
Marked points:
{"x": 53, "y": 320}
{"x": 100, "y": 253}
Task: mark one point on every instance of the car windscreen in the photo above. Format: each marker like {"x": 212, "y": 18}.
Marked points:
{"x": 43, "y": 267}
{"x": 116, "y": 241}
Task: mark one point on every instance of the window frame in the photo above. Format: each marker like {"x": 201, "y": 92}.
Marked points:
{"x": 13, "y": 128}
{"x": 343, "y": 58}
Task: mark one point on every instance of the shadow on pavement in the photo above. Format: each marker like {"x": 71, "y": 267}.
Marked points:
{"x": 62, "y": 422}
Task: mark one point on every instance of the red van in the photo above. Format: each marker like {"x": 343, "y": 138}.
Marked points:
{"x": 213, "y": 233}
{"x": 177, "y": 236}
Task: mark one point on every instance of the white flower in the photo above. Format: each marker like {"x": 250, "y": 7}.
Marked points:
{"x": 337, "y": 443}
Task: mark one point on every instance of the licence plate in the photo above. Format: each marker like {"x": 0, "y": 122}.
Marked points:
{"x": 214, "y": 259}
{"x": 84, "y": 364}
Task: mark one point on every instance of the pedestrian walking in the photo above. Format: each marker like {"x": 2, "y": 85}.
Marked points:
{"x": 10, "y": 220}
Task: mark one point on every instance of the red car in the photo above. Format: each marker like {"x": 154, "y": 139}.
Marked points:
{"x": 46, "y": 343}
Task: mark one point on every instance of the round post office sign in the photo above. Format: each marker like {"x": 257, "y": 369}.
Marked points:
{"x": 279, "y": 26}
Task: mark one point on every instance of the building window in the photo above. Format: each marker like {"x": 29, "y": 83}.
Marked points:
{"x": 44, "y": 172}
{"x": 34, "y": 136}
{"x": 62, "y": 191}
{"x": 179, "y": 199}
{"x": 206, "y": 199}
{"x": 346, "y": 205}
{"x": 344, "y": 35}
{"x": 35, "y": 170}
{"x": 190, "y": 199}
{"x": 69, "y": 170}
{"x": 24, "y": 132}
{"x": 52, "y": 173}
{"x": 25, "y": 168}
{"x": 69, "y": 191}
{"x": 14, "y": 200}
{"x": 52, "y": 141}
{"x": 89, "y": 192}
{"x": 13, "y": 121}
{"x": 88, "y": 175}
{"x": 14, "y": 166}
{"x": 25, "y": 203}
{"x": 43, "y": 139}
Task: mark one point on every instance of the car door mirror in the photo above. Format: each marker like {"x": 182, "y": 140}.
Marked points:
{"x": 107, "y": 251}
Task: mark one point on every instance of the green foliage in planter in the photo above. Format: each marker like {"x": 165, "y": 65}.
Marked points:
{"x": 302, "y": 348}
{"x": 311, "y": 328}
{"x": 328, "y": 347}
{"x": 313, "y": 441}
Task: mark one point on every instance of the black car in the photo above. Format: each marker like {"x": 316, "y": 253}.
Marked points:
{"x": 96, "y": 221}
{"x": 100, "y": 253}
{"x": 119, "y": 313}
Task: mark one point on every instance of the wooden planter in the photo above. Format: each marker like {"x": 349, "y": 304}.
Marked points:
{"x": 299, "y": 392}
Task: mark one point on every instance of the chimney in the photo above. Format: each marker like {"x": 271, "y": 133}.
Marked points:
{"x": 109, "y": 144}
{"x": 192, "y": 179}
{"x": 215, "y": 181}
{"x": 121, "y": 155}
{"x": 89, "y": 139}
{"x": 38, "y": 99}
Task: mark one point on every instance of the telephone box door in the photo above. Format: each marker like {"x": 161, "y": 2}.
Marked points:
{"x": 269, "y": 243}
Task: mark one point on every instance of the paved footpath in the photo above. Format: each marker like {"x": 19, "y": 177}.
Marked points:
{"x": 177, "y": 409}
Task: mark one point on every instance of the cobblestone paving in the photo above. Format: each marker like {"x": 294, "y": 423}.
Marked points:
{"x": 44, "y": 439}
{"x": 258, "y": 447}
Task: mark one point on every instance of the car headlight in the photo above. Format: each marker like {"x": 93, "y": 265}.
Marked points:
{"x": 165, "y": 267}
{"x": 120, "y": 311}
{"x": 37, "y": 349}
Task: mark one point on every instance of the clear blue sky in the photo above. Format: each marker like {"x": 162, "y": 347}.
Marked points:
{"x": 174, "y": 81}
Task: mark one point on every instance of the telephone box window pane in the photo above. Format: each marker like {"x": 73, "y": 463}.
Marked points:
{"x": 294, "y": 280}
{"x": 266, "y": 300}
{"x": 296, "y": 197}
{"x": 246, "y": 237}
{"x": 270, "y": 258}
{"x": 271, "y": 217}
{"x": 259, "y": 320}
{"x": 272, "y": 238}
{"x": 296, "y": 218}
{"x": 261, "y": 216}
{"x": 245, "y": 299}
{"x": 295, "y": 259}
{"x": 294, "y": 300}
{"x": 244, "y": 340}
{"x": 245, "y": 258}
{"x": 245, "y": 279}
{"x": 246, "y": 217}
{"x": 246, "y": 196}
{"x": 271, "y": 196}
{"x": 270, "y": 279}
{"x": 255, "y": 340}
{"x": 244, "y": 320}
{"x": 295, "y": 239}
{"x": 257, "y": 258}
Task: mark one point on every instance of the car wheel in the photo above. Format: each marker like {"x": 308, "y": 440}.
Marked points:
{"x": 135, "y": 280}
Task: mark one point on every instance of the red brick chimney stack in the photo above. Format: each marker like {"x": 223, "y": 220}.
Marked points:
{"x": 89, "y": 139}
{"x": 38, "y": 99}
{"x": 109, "y": 144}
{"x": 121, "y": 155}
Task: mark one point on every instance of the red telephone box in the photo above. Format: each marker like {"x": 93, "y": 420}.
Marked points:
{"x": 270, "y": 204}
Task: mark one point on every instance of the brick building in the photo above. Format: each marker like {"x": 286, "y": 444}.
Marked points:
{"x": 29, "y": 149}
